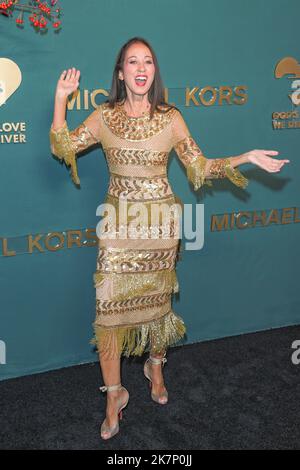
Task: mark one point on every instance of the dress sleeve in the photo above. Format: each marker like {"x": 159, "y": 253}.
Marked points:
{"x": 200, "y": 170}
{"x": 67, "y": 144}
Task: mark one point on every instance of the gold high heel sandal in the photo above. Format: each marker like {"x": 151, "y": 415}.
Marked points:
{"x": 115, "y": 429}
{"x": 162, "y": 399}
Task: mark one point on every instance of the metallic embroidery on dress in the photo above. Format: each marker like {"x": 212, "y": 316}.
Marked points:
{"x": 193, "y": 160}
{"x": 111, "y": 307}
{"x": 135, "y": 129}
{"x": 139, "y": 188}
{"x": 66, "y": 144}
{"x": 82, "y": 138}
{"x": 127, "y": 260}
{"x": 127, "y": 285}
{"x": 123, "y": 156}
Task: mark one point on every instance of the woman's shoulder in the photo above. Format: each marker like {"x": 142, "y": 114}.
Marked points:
{"x": 165, "y": 107}
{"x": 103, "y": 106}
{"x": 168, "y": 113}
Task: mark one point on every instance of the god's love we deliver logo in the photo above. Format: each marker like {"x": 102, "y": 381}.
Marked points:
{"x": 288, "y": 67}
{"x": 10, "y": 80}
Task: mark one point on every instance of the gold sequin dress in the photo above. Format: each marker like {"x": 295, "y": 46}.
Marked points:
{"x": 136, "y": 277}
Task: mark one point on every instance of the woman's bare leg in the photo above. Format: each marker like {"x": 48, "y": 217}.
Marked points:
{"x": 111, "y": 374}
{"x": 158, "y": 385}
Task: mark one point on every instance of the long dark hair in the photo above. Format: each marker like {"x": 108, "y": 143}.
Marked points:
{"x": 156, "y": 92}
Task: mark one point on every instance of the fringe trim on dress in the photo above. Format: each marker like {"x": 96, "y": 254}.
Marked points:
{"x": 196, "y": 173}
{"x": 61, "y": 146}
{"x": 128, "y": 285}
{"x": 155, "y": 336}
{"x": 235, "y": 176}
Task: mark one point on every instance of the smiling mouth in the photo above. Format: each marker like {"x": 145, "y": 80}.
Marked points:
{"x": 140, "y": 81}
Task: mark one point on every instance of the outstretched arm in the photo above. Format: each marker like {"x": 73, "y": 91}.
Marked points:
{"x": 200, "y": 169}
{"x": 66, "y": 144}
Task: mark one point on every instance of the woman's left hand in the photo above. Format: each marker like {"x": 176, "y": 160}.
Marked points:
{"x": 263, "y": 159}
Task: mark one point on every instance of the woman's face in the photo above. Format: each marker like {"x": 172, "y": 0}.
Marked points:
{"x": 138, "y": 70}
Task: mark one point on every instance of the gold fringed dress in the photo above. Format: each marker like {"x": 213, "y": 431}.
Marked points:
{"x": 136, "y": 277}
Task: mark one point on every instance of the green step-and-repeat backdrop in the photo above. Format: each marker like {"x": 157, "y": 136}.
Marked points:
{"x": 234, "y": 71}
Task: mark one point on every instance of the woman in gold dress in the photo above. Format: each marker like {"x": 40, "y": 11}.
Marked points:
{"x": 135, "y": 276}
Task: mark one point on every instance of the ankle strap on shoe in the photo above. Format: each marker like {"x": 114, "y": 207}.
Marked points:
{"x": 156, "y": 360}
{"x": 110, "y": 388}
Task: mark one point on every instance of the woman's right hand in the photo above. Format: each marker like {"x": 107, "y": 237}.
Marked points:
{"x": 68, "y": 83}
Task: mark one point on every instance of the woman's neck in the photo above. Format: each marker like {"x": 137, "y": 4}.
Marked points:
{"x": 136, "y": 107}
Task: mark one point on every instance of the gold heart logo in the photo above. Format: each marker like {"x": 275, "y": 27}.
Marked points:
{"x": 10, "y": 79}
